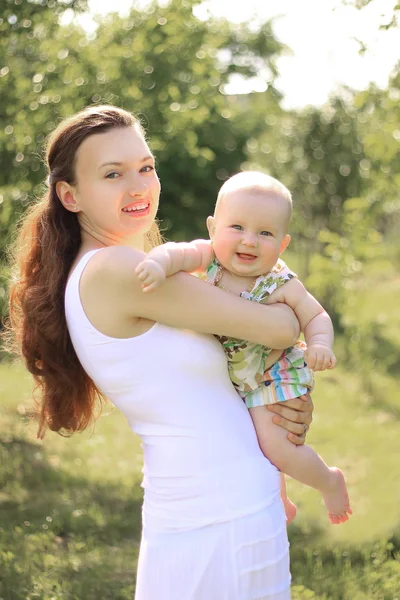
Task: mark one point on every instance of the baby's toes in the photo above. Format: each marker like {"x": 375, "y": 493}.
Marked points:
{"x": 334, "y": 519}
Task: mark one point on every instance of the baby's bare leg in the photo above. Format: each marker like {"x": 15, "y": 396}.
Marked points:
{"x": 302, "y": 463}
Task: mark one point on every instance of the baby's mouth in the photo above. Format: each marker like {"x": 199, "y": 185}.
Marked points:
{"x": 246, "y": 257}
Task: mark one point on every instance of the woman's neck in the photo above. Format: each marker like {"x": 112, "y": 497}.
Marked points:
{"x": 92, "y": 240}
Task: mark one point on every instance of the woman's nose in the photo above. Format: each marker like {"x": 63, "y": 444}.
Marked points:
{"x": 137, "y": 187}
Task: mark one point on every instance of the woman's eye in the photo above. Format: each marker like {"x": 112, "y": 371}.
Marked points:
{"x": 238, "y": 227}
{"x": 147, "y": 169}
{"x": 265, "y": 233}
{"x": 112, "y": 175}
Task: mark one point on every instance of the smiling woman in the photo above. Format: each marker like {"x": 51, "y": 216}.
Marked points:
{"x": 48, "y": 242}
{"x": 113, "y": 189}
{"x": 86, "y": 329}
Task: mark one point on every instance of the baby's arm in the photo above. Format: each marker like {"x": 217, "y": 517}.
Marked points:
{"x": 314, "y": 322}
{"x": 170, "y": 258}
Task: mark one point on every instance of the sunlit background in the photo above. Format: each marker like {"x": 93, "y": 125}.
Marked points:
{"x": 330, "y": 43}
{"x": 313, "y": 98}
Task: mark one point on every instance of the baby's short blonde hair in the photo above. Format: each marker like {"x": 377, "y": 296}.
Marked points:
{"x": 254, "y": 181}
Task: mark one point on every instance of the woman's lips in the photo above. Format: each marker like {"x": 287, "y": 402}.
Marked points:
{"x": 137, "y": 209}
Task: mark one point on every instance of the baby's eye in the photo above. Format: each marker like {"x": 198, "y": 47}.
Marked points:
{"x": 112, "y": 175}
{"x": 265, "y": 233}
{"x": 147, "y": 169}
{"x": 238, "y": 227}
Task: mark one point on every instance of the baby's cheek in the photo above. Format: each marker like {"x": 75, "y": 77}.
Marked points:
{"x": 224, "y": 250}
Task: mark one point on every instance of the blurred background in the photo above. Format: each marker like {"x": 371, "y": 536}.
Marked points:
{"x": 308, "y": 92}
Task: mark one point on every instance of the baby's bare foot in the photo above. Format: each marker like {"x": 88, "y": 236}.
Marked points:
{"x": 336, "y": 498}
{"x": 290, "y": 510}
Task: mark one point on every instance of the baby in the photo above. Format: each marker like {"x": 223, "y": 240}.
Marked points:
{"x": 249, "y": 231}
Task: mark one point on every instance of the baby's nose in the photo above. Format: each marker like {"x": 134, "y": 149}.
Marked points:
{"x": 249, "y": 239}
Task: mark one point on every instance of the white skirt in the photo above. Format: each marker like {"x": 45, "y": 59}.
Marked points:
{"x": 243, "y": 559}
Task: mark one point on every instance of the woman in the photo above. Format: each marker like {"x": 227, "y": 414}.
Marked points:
{"x": 213, "y": 524}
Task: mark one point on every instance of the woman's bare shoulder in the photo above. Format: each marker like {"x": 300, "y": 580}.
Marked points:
{"x": 113, "y": 263}
{"x": 108, "y": 290}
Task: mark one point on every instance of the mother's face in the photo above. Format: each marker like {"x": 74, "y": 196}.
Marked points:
{"x": 116, "y": 188}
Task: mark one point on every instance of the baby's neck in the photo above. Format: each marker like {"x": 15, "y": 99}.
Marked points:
{"x": 236, "y": 284}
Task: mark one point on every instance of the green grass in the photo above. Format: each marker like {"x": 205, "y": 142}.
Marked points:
{"x": 70, "y": 508}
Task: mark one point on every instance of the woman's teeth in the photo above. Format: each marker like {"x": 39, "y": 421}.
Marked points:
{"x": 136, "y": 207}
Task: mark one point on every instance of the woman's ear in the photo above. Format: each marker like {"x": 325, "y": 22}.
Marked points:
{"x": 285, "y": 243}
{"x": 65, "y": 193}
{"x": 211, "y": 226}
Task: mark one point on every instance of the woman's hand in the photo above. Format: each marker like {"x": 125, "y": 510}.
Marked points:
{"x": 295, "y": 416}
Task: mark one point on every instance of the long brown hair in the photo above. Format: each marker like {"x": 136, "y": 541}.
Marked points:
{"x": 47, "y": 243}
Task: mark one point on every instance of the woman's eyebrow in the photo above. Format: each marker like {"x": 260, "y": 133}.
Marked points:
{"x": 118, "y": 163}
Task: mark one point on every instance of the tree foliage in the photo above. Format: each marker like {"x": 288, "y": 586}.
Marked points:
{"x": 161, "y": 63}
{"x": 340, "y": 161}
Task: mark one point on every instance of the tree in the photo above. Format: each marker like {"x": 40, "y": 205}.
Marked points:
{"x": 31, "y": 62}
{"x": 175, "y": 83}
{"x": 162, "y": 63}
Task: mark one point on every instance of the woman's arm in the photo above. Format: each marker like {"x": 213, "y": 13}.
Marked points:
{"x": 184, "y": 302}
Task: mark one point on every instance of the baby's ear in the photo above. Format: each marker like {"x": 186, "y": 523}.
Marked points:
{"x": 211, "y": 226}
{"x": 285, "y": 243}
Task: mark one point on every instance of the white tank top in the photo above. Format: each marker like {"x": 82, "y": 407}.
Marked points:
{"x": 202, "y": 462}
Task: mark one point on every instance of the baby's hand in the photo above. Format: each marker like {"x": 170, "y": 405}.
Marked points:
{"x": 151, "y": 274}
{"x": 319, "y": 357}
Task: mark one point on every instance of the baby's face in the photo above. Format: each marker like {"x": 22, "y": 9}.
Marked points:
{"x": 249, "y": 231}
